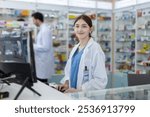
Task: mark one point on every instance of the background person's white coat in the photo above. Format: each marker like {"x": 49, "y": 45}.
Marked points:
{"x": 43, "y": 50}
{"x": 94, "y": 58}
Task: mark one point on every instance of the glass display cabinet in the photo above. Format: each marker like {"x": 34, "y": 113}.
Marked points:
{"x": 140, "y": 92}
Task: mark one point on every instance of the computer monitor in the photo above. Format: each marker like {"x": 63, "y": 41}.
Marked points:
{"x": 21, "y": 61}
{"x": 138, "y": 79}
{"x": 31, "y": 58}
{"x": 18, "y": 56}
{"x": 20, "y": 70}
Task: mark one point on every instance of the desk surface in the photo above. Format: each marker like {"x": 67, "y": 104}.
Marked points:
{"x": 46, "y": 91}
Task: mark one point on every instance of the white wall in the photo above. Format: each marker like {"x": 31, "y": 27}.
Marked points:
{"x": 73, "y": 3}
{"x": 142, "y": 1}
{"x": 17, "y": 5}
{"x": 33, "y": 4}
{"x": 104, "y": 5}
{"x": 127, "y": 3}
{"x": 124, "y": 3}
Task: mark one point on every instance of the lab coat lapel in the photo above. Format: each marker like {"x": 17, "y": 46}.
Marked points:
{"x": 82, "y": 64}
{"x": 73, "y": 51}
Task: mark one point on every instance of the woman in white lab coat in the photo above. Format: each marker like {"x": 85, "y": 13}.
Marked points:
{"x": 85, "y": 69}
{"x": 43, "y": 49}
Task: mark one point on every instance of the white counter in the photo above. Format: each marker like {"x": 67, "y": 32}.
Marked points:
{"x": 46, "y": 91}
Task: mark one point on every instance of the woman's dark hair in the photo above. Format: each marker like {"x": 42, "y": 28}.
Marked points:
{"x": 38, "y": 15}
{"x": 86, "y": 18}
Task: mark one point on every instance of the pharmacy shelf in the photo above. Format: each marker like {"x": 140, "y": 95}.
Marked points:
{"x": 143, "y": 41}
{"x": 125, "y": 41}
{"x": 104, "y": 38}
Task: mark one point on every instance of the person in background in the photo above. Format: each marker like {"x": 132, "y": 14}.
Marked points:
{"x": 85, "y": 68}
{"x": 43, "y": 49}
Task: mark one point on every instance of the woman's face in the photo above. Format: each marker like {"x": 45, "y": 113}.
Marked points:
{"x": 82, "y": 29}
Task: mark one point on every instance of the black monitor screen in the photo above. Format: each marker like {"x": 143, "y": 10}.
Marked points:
{"x": 17, "y": 57}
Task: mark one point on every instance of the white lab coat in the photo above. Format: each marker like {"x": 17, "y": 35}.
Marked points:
{"x": 93, "y": 57}
{"x": 44, "y": 57}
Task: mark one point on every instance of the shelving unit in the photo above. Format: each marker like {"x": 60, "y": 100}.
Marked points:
{"x": 125, "y": 41}
{"x": 143, "y": 41}
{"x": 104, "y": 25}
{"x": 9, "y": 17}
{"x": 72, "y": 40}
{"x": 60, "y": 42}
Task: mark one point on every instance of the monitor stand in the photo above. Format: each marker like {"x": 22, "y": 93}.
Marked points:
{"x": 25, "y": 85}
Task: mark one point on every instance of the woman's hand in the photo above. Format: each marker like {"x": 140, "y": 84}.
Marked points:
{"x": 63, "y": 87}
